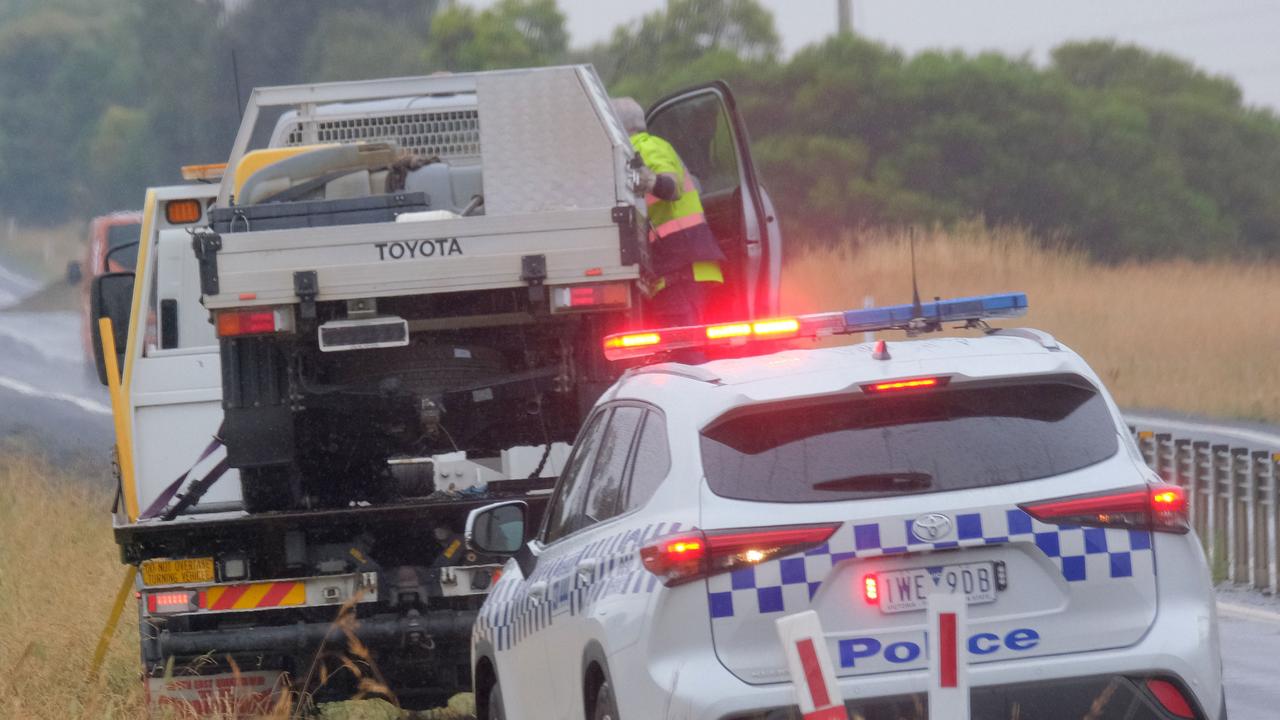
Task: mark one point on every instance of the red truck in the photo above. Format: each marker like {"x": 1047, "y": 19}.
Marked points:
{"x": 112, "y": 247}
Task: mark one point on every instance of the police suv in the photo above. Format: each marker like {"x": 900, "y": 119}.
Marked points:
{"x": 704, "y": 502}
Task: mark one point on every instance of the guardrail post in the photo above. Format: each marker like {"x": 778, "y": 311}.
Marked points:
{"x": 1273, "y": 500}
{"x": 1204, "y": 473}
{"x": 1185, "y": 475}
{"x": 1220, "y": 475}
{"x": 1225, "y": 478}
{"x": 1241, "y": 534}
{"x": 1260, "y": 550}
{"x": 1147, "y": 446}
{"x": 1164, "y": 457}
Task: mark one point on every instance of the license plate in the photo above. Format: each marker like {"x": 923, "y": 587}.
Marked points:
{"x": 177, "y": 572}
{"x": 904, "y": 590}
{"x": 380, "y": 332}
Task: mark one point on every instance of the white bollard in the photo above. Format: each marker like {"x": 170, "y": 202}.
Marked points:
{"x": 948, "y": 657}
{"x": 812, "y": 674}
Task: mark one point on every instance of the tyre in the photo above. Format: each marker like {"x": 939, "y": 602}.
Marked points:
{"x": 495, "y": 710}
{"x": 605, "y": 707}
{"x": 264, "y": 489}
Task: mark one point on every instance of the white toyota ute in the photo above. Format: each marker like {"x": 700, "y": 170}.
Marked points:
{"x": 701, "y": 503}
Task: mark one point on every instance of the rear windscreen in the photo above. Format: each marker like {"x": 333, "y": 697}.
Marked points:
{"x": 119, "y": 236}
{"x": 858, "y": 446}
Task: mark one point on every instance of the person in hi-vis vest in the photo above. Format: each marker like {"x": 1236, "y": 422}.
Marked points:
{"x": 685, "y": 256}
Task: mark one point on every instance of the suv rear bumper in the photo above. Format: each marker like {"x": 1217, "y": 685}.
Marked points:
{"x": 1181, "y": 644}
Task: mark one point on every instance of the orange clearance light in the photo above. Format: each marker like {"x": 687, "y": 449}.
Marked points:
{"x": 905, "y": 384}
{"x": 720, "y": 332}
{"x": 206, "y": 173}
{"x": 871, "y": 589}
{"x": 182, "y": 212}
{"x": 780, "y": 326}
{"x": 636, "y": 340}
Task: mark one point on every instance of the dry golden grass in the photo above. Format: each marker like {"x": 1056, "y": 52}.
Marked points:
{"x": 59, "y": 573}
{"x": 1200, "y": 338}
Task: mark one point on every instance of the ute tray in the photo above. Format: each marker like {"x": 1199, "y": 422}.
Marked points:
{"x": 316, "y": 213}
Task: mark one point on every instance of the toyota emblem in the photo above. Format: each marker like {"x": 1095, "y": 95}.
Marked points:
{"x": 931, "y": 528}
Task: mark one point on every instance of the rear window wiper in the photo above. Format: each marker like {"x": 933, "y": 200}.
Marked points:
{"x": 887, "y": 481}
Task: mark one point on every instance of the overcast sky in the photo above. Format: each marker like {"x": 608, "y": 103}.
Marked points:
{"x": 1238, "y": 38}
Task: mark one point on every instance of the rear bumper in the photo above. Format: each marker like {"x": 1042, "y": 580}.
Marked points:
{"x": 1182, "y": 644}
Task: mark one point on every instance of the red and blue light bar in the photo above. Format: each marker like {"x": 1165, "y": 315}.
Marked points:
{"x": 923, "y": 318}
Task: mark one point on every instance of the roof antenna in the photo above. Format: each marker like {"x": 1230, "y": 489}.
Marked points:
{"x": 235, "y": 74}
{"x": 916, "y": 310}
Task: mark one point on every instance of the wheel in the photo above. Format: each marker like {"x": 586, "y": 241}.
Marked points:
{"x": 495, "y": 711}
{"x": 605, "y": 708}
{"x": 264, "y": 489}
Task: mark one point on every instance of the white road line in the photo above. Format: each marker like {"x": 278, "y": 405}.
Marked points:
{"x": 1244, "y": 612}
{"x": 30, "y": 390}
{"x": 1269, "y": 440}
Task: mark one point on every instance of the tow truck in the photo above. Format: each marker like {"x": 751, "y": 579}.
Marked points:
{"x": 383, "y": 312}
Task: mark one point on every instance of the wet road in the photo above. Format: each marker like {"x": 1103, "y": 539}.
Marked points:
{"x": 49, "y": 399}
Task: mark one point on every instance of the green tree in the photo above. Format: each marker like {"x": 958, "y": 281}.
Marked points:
{"x": 510, "y": 34}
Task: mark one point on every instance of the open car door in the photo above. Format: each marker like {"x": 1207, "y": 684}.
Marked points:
{"x": 703, "y": 125}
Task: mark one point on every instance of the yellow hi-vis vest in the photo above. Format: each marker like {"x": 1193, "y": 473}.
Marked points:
{"x": 669, "y": 217}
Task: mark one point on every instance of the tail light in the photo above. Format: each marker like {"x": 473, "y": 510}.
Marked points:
{"x": 598, "y": 296}
{"x": 1162, "y": 508}
{"x": 174, "y": 601}
{"x": 255, "y": 321}
{"x": 683, "y": 557}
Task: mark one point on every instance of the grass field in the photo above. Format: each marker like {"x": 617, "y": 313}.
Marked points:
{"x": 59, "y": 572}
{"x": 1200, "y": 338}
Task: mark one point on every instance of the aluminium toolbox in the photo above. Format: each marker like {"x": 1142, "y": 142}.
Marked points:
{"x": 316, "y": 213}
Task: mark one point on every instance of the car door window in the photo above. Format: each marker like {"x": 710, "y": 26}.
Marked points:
{"x": 567, "y": 503}
{"x": 702, "y": 135}
{"x": 651, "y": 463}
{"x": 604, "y": 495}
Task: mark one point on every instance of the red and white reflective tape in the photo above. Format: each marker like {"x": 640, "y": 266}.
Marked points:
{"x": 948, "y": 658}
{"x": 812, "y": 673}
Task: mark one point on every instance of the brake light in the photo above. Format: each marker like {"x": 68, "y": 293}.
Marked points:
{"x": 1162, "y": 508}
{"x": 254, "y": 321}
{"x": 598, "y": 296}
{"x": 683, "y": 557}
{"x": 916, "y": 384}
{"x": 871, "y": 589}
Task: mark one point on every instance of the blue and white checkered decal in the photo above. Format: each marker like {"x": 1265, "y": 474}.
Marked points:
{"x": 787, "y": 584}
{"x": 509, "y": 615}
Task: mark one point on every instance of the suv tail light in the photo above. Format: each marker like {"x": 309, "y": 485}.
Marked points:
{"x": 695, "y": 554}
{"x": 1161, "y": 507}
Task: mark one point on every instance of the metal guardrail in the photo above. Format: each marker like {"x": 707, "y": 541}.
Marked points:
{"x": 1234, "y": 498}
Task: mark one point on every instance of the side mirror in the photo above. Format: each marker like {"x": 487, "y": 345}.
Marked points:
{"x": 497, "y": 529}
{"x": 110, "y": 296}
{"x": 74, "y": 272}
